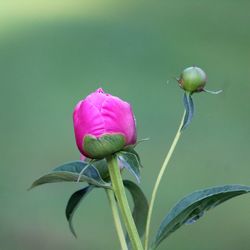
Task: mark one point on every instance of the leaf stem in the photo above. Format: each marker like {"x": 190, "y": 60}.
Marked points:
{"x": 116, "y": 217}
{"x": 120, "y": 194}
{"x": 158, "y": 180}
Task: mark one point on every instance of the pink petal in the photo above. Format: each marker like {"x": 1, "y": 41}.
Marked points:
{"x": 87, "y": 120}
{"x": 118, "y": 117}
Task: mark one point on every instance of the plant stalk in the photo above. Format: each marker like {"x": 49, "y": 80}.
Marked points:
{"x": 116, "y": 217}
{"x": 158, "y": 180}
{"x": 122, "y": 201}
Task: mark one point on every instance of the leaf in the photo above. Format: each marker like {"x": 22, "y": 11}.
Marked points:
{"x": 132, "y": 150}
{"x": 73, "y": 172}
{"x": 140, "y": 210}
{"x": 102, "y": 167}
{"x": 193, "y": 207}
{"x": 130, "y": 162}
{"x": 74, "y": 202}
{"x": 189, "y": 107}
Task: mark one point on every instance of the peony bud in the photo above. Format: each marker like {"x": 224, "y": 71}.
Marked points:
{"x": 103, "y": 124}
{"x": 193, "y": 79}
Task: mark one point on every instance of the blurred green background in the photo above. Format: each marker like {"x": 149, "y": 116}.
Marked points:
{"x": 54, "y": 53}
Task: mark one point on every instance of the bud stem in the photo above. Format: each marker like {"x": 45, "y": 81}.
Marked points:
{"x": 158, "y": 180}
{"x": 120, "y": 195}
{"x": 116, "y": 217}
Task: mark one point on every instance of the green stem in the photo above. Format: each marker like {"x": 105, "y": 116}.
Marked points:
{"x": 120, "y": 194}
{"x": 116, "y": 217}
{"x": 158, "y": 180}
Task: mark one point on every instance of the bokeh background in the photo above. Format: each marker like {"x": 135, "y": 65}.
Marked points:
{"x": 53, "y": 53}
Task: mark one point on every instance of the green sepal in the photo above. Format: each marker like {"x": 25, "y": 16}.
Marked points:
{"x": 212, "y": 91}
{"x": 73, "y": 203}
{"x": 99, "y": 148}
{"x": 139, "y": 141}
{"x": 193, "y": 207}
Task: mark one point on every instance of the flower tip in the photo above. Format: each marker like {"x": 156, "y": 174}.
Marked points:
{"x": 100, "y": 90}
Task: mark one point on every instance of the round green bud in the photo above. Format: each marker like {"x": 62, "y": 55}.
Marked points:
{"x": 193, "y": 79}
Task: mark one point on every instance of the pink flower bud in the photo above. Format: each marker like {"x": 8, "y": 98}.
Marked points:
{"x": 103, "y": 124}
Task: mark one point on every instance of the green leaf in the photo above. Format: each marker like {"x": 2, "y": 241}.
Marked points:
{"x": 132, "y": 151}
{"x": 130, "y": 162}
{"x": 74, "y": 202}
{"x": 140, "y": 210}
{"x": 193, "y": 207}
{"x": 189, "y": 107}
{"x": 102, "y": 167}
{"x": 77, "y": 171}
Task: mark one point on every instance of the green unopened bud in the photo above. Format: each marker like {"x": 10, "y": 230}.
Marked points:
{"x": 193, "y": 79}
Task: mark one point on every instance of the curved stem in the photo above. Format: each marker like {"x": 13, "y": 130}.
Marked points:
{"x": 116, "y": 217}
{"x": 158, "y": 180}
{"x": 120, "y": 194}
